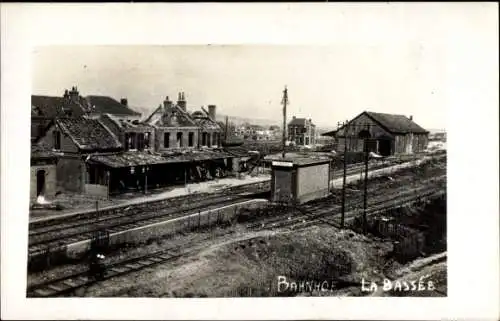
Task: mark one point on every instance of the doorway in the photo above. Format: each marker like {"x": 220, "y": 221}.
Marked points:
{"x": 40, "y": 182}
{"x": 384, "y": 147}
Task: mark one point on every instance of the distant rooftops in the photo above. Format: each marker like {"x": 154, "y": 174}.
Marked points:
{"x": 300, "y": 121}
{"x": 71, "y": 102}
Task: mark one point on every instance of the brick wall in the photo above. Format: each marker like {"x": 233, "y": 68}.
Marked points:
{"x": 50, "y": 180}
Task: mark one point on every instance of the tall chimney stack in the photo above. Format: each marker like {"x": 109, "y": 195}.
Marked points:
{"x": 181, "y": 101}
{"x": 167, "y": 104}
{"x": 124, "y": 101}
{"x": 211, "y": 111}
{"x": 74, "y": 94}
{"x": 411, "y": 117}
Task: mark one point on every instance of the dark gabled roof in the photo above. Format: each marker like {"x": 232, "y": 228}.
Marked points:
{"x": 331, "y": 133}
{"x": 105, "y": 104}
{"x": 298, "y": 121}
{"x": 46, "y": 106}
{"x": 89, "y": 134}
{"x": 396, "y": 124}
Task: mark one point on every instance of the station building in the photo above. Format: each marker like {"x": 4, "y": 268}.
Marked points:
{"x": 110, "y": 150}
{"x": 388, "y": 134}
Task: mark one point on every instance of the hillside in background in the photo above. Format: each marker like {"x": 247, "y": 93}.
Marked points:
{"x": 239, "y": 120}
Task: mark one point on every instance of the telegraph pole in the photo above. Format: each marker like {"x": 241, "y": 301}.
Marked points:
{"x": 365, "y": 196}
{"x": 366, "y": 187}
{"x": 284, "y": 102}
{"x": 225, "y": 136}
{"x": 344, "y": 174}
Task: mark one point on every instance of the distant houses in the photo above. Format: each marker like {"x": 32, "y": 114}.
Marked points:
{"x": 301, "y": 131}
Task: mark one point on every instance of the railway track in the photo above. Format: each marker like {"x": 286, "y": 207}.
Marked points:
{"x": 152, "y": 205}
{"x": 70, "y": 283}
{"x": 158, "y": 204}
{"x": 312, "y": 214}
{"x": 80, "y": 227}
{"x": 54, "y": 237}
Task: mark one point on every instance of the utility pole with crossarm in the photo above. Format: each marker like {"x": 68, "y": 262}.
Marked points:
{"x": 285, "y": 103}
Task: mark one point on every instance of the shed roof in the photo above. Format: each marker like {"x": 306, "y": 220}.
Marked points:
{"x": 139, "y": 158}
{"x": 196, "y": 155}
{"x": 128, "y": 159}
{"x": 299, "y": 159}
{"x": 237, "y": 151}
{"x": 396, "y": 123}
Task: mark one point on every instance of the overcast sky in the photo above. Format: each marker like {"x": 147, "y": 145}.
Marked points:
{"x": 326, "y": 83}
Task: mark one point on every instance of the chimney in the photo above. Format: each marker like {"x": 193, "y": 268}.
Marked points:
{"x": 411, "y": 117}
{"x": 181, "y": 101}
{"x": 124, "y": 101}
{"x": 293, "y": 117}
{"x": 66, "y": 94}
{"x": 211, "y": 111}
{"x": 167, "y": 104}
{"x": 73, "y": 94}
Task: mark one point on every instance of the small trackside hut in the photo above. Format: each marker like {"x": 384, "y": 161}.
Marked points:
{"x": 299, "y": 180}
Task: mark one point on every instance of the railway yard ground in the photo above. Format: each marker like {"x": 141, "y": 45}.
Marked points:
{"x": 274, "y": 250}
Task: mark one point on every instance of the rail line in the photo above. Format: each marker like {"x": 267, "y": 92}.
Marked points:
{"x": 150, "y": 205}
{"x": 54, "y": 236}
{"x": 68, "y": 284}
{"x": 57, "y": 237}
{"x": 37, "y": 226}
{"x": 312, "y": 214}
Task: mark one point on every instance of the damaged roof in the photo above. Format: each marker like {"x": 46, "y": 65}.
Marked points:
{"x": 128, "y": 159}
{"x": 299, "y": 159}
{"x": 237, "y": 151}
{"x": 196, "y": 155}
{"x": 89, "y": 134}
{"x": 41, "y": 152}
{"x": 139, "y": 158}
{"x": 127, "y": 123}
{"x": 174, "y": 116}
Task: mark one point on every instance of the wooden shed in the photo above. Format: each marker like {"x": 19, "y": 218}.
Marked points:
{"x": 299, "y": 180}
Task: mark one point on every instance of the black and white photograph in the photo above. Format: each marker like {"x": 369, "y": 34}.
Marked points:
{"x": 226, "y": 170}
{"x": 173, "y": 187}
